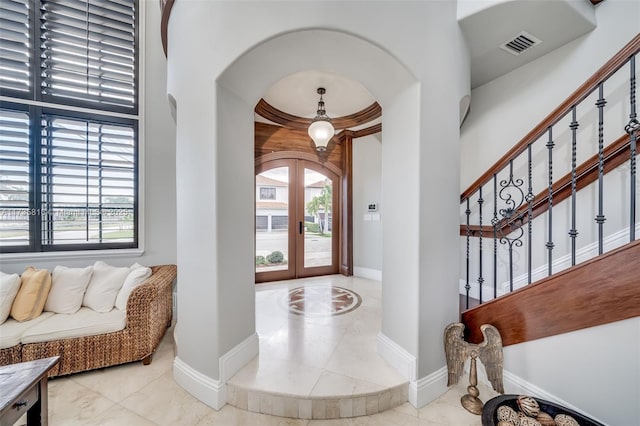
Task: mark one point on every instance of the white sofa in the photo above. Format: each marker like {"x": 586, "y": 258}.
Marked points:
{"x": 87, "y": 339}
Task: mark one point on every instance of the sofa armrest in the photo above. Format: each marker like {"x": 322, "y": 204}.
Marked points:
{"x": 150, "y": 308}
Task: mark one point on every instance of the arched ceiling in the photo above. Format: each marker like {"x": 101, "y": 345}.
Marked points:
{"x": 293, "y": 101}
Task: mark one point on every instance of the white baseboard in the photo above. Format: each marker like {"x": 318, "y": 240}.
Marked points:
{"x": 590, "y": 251}
{"x": 421, "y": 391}
{"x": 516, "y": 385}
{"x": 238, "y": 357}
{"x": 487, "y": 290}
{"x": 211, "y": 392}
{"x": 428, "y": 388}
{"x": 372, "y": 274}
{"x": 397, "y": 357}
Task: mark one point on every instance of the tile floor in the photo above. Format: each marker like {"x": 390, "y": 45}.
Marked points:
{"x": 134, "y": 394}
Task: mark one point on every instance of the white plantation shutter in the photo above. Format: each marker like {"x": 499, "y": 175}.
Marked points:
{"x": 14, "y": 178}
{"x": 88, "y": 50}
{"x": 15, "y": 47}
{"x": 88, "y": 181}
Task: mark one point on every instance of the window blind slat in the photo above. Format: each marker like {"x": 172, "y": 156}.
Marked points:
{"x": 86, "y": 192}
{"x": 15, "y": 39}
{"x": 82, "y": 179}
{"x": 88, "y": 51}
{"x": 14, "y": 180}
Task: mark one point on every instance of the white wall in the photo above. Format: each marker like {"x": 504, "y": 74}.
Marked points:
{"x": 596, "y": 370}
{"x": 367, "y": 188}
{"x": 244, "y": 48}
{"x": 584, "y": 367}
{"x": 505, "y": 109}
{"x": 157, "y": 172}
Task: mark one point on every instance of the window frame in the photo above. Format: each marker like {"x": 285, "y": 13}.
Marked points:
{"x": 37, "y": 104}
{"x": 268, "y": 190}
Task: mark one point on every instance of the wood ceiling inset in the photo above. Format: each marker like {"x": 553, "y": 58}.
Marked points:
{"x": 266, "y": 110}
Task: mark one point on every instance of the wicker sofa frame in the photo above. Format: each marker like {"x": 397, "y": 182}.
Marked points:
{"x": 149, "y": 313}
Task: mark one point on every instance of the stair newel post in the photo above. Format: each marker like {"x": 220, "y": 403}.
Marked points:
{"x": 467, "y": 286}
{"x": 480, "y": 277}
{"x": 549, "y": 243}
{"x": 573, "y": 232}
{"x": 600, "y": 103}
{"x": 494, "y": 222}
{"x": 632, "y": 128}
{"x": 529, "y": 198}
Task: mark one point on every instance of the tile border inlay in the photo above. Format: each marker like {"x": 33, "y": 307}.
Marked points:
{"x": 322, "y": 301}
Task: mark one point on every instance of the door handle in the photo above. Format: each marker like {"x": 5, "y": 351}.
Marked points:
{"x": 300, "y": 227}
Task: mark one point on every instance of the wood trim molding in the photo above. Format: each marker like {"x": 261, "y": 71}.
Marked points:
{"x": 599, "y": 291}
{"x": 271, "y": 113}
{"x": 557, "y": 114}
{"x": 346, "y": 249}
{"x": 298, "y": 156}
{"x": 165, "y": 7}
{"x": 376, "y": 128}
{"x": 615, "y": 154}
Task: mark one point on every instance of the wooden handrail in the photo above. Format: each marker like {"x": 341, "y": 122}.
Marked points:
{"x": 165, "y": 7}
{"x": 599, "y": 291}
{"x": 614, "y": 154}
{"x": 608, "y": 69}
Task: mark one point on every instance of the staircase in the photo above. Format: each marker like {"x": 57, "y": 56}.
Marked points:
{"x": 536, "y": 265}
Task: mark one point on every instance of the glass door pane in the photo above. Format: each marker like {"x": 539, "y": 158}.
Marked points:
{"x": 318, "y": 219}
{"x": 272, "y": 220}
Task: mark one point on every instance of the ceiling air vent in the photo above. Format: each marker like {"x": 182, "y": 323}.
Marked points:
{"x": 520, "y": 44}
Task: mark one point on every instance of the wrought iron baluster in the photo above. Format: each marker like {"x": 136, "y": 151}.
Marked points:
{"x": 529, "y": 198}
{"x": 600, "y": 103}
{"x": 514, "y": 234}
{"x": 573, "y": 232}
{"x": 632, "y": 128}
{"x": 494, "y": 222}
{"x": 480, "y": 278}
{"x": 467, "y": 286}
{"x": 549, "y": 243}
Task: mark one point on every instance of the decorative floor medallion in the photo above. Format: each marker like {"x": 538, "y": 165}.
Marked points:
{"x": 322, "y": 301}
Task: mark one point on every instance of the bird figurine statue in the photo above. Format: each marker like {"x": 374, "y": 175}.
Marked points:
{"x": 490, "y": 353}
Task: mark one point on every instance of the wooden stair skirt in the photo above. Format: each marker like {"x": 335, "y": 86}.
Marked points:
{"x": 602, "y": 290}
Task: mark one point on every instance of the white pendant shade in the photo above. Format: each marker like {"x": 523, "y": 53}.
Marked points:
{"x": 321, "y": 131}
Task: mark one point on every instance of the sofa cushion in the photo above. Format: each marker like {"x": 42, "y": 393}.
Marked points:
{"x": 67, "y": 289}
{"x": 11, "y": 331}
{"x": 34, "y": 289}
{"x": 9, "y": 286}
{"x": 104, "y": 286}
{"x": 136, "y": 277}
{"x": 85, "y": 322}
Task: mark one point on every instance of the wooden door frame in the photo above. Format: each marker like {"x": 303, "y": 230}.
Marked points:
{"x": 301, "y": 270}
{"x": 286, "y": 158}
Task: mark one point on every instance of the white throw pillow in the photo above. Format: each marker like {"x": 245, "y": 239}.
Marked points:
{"x": 9, "y": 286}
{"x": 104, "y": 286}
{"x": 136, "y": 277}
{"x": 67, "y": 289}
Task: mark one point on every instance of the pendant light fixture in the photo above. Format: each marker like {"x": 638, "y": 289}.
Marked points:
{"x": 321, "y": 130}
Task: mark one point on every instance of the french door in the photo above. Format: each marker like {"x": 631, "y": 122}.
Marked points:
{"x": 297, "y": 214}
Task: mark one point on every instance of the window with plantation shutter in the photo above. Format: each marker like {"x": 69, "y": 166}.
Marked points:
{"x": 15, "y": 47}
{"x": 88, "y": 181}
{"x": 68, "y": 125}
{"x": 14, "y": 179}
{"x": 88, "y": 51}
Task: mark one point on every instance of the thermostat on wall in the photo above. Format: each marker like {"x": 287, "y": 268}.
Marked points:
{"x": 372, "y": 207}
